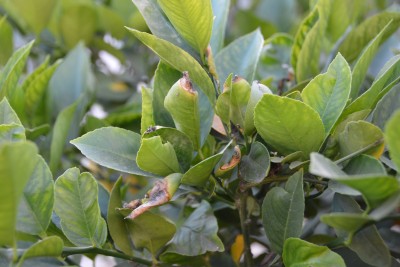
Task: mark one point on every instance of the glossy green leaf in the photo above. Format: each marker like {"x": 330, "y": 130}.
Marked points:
{"x": 78, "y": 22}
{"x": 364, "y": 60}
{"x": 160, "y": 26}
{"x": 193, "y": 19}
{"x": 6, "y": 40}
{"x": 164, "y": 77}
{"x": 179, "y": 59}
{"x": 199, "y": 174}
{"x": 386, "y": 107}
{"x": 147, "y": 109}
{"x": 324, "y": 167}
{"x": 366, "y": 242}
{"x": 256, "y": 92}
{"x": 151, "y": 231}
{"x": 36, "y": 13}
{"x": 360, "y": 36}
{"x": 385, "y": 80}
{"x": 35, "y": 90}
{"x": 220, "y": 9}
{"x": 157, "y": 157}
{"x": 111, "y": 147}
{"x": 183, "y": 105}
{"x": 197, "y": 234}
{"x": 299, "y": 253}
{"x": 392, "y": 131}
{"x": 364, "y": 165}
{"x": 76, "y": 203}
{"x": 60, "y": 135}
{"x": 48, "y": 247}
{"x": 37, "y": 201}
{"x": 328, "y": 93}
{"x": 349, "y": 222}
{"x": 358, "y": 135}
{"x": 283, "y": 211}
{"x": 299, "y": 128}
{"x": 117, "y": 225}
{"x": 11, "y": 128}
{"x": 223, "y": 106}
{"x": 254, "y": 167}
{"x": 71, "y": 79}
{"x": 240, "y": 57}
{"x": 181, "y": 143}
{"x": 17, "y": 163}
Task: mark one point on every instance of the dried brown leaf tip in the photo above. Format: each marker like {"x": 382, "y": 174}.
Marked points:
{"x": 186, "y": 83}
{"x": 160, "y": 194}
{"x": 234, "y": 161}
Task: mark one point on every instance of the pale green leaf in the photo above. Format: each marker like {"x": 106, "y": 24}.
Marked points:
{"x": 17, "y": 163}
{"x": 299, "y": 128}
{"x": 220, "y": 10}
{"x": 151, "y": 231}
{"x": 179, "y": 59}
{"x": 147, "y": 109}
{"x": 328, "y": 93}
{"x": 349, "y": 222}
{"x": 36, "y": 206}
{"x": 193, "y": 19}
{"x": 283, "y": 212}
{"x": 51, "y": 246}
{"x": 392, "y": 133}
{"x": 112, "y": 147}
{"x": 240, "y": 57}
{"x": 386, "y": 107}
{"x": 157, "y": 157}
{"x": 76, "y": 203}
{"x": 299, "y": 253}
{"x": 6, "y": 40}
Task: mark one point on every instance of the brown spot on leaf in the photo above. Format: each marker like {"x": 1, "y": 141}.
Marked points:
{"x": 186, "y": 83}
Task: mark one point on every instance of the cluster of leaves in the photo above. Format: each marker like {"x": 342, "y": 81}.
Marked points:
{"x": 287, "y": 143}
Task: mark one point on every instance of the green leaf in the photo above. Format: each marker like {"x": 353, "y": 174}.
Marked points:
{"x": 299, "y": 253}
{"x": 193, "y": 19}
{"x": 76, "y": 203}
{"x": 181, "y": 143}
{"x": 164, "y": 77}
{"x": 117, "y": 226}
{"x": 147, "y": 109}
{"x": 324, "y": 167}
{"x": 36, "y": 205}
{"x": 160, "y": 26}
{"x": 36, "y": 88}
{"x": 11, "y": 128}
{"x": 60, "y": 135}
{"x": 299, "y": 128}
{"x": 358, "y": 135}
{"x": 179, "y": 59}
{"x": 360, "y": 36}
{"x": 328, "y": 93}
{"x": 157, "y": 157}
{"x": 220, "y": 10}
{"x": 17, "y": 163}
{"x": 199, "y": 174}
{"x": 386, "y": 107}
{"x": 240, "y": 57}
{"x": 365, "y": 165}
{"x": 151, "y": 231}
{"x": 48, "y": 247}
{"x": 255, "y": 166}
{"x": 110, "y": 21}
{"x": 111, "y": 147}
{"x": 283, "y": 211}
{"x": 364, "y": 60}
{"x": 197, "y": 234}
{"x": 349, "y": 222}
{"x": 7, "y": 114}
{"x": 385, "y": 80}
{"x": 392, "y": 131}
{"x": 36, "y": 13}
{"x": 182, "y": 102}
{"x": 6, "y": 40}
{"x": 256, "y": 92}
{"x": 70, "y": 80}
{"x": 78, "y": 22}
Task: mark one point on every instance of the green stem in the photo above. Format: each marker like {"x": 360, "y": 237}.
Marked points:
{"x": 84, "y": 250}
{"x": 241, "y": 204}
{"x": 359, "y": 152}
